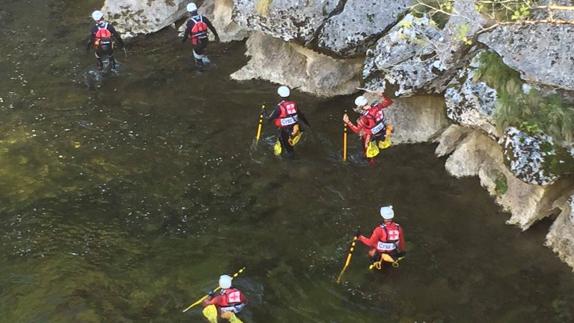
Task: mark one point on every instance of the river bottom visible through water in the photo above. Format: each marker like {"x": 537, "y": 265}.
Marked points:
{"x": 125, "y": 203}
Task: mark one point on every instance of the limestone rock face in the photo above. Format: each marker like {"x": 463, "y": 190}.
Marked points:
{"x": 296, "y": 66}
{"x": 285, "y": 19}
{"x": 561, "y": 235}
{"x": 134, "y": 17}
{"x": 472, "y": 103}
{"x": 478, "y": 155}
{"x": 539, "y": 52}
{"x": 416, "y": 119}
{"x": 417, "y": 56}
{"x": 360, "y": 23}
{"x": 220, "y": 14}
{"x": 528, "y": 154}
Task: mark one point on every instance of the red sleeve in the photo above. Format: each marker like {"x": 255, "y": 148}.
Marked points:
{"x": 217, "y": 301}
{"x": 373, "y": 239}
{"x": 401, "y": 239}
{"x": 386, "y": 102}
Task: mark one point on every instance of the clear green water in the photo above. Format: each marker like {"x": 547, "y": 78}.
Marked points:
{"x": 125, "y": 204}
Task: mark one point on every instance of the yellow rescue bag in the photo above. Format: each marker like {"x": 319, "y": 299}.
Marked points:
{"x": 372, "y": 150}
{"x": 210, "y": 313}
{"x": 384, "y": 144}
{"x": 277, "y": 148}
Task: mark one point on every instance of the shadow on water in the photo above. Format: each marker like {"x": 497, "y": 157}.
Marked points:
{"x": 126, "y": 202}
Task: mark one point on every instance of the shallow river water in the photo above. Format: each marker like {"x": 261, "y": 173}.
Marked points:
{"x": 125, "y": 203}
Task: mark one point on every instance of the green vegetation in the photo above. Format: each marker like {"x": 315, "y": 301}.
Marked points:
{"x": 501, "y": 185}
{"x": 530, "y": 112}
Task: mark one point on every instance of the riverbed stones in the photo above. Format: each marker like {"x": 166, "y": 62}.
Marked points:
{"x": 135, "y": 17}
{"x": 359, "y": 25}
{"x": 472, "y": 103}
{"x": 540, "y": 52}
{"x": 561, "y": 235}
{"x": 296, "y": 66}
{"x": 284, "y": 19}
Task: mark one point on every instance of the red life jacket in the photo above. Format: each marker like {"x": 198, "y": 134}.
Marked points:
{"x": 198, "y": 31}
{"x": 392, "y": 234}
{"x": 231, "y": 297}
{"x": 374, "y": 120}
{"x": 103, "y": 36}
{"x": 287, "y": 114}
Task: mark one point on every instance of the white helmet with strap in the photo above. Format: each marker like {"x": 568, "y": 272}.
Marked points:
{"x": 191, "y": 7}
{"x": 97, "y": 15}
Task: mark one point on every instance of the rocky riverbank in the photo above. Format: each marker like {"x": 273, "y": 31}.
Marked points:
{"x": 508, "y": 88}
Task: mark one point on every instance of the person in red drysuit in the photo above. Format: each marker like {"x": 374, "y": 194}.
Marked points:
{"x": 372, "y": 124}
{"x": 228, "y": 299}
{"x": 387, "y": 237}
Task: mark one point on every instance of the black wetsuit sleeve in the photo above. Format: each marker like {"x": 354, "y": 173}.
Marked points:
{"x": 116, "y": 35}
{"x": 274, "y": 115}
{"x": 91, "y": 37}
{"x": 210, "y": 26}
{"x": 188, "y": 26}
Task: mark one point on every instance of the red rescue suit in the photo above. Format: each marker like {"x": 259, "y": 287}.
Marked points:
{"x": 386, "y": 238}
{"x": 229, "y": 300}
{"x": 103, "y": 37}
{"x": 287, "y": 114}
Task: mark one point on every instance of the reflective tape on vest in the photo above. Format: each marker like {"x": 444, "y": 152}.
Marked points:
{"x": 288, "y": 121}
{"x": 376, "y": 129}
{"x": 386, "y": 246}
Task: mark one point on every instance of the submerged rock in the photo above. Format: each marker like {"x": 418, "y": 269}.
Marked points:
{"x": 285, "y": 19}
{"x": 297, "y": 66}
{"x": 134, "y": 17}
{"x": 529, "y": 155}
{"x": 472, "y": 103}
{"x": 540, "y": 52}
{"x": 359, "y": 25}
{"x": 561, "y": 235}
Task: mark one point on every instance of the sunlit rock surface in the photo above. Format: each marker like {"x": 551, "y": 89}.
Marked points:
{"x": 285, "y": 19}
{"x": 561, "y": 235}
{"x": 417, "y": 56}
{"x": 528, "y": 155}
{"x": 542, "y": 53}
{"x": 359, "y": 25}
{"x": 472, "y": 103}
{"x": 296, "y": 66}
{"x": 416, "y": 119}
{"x": 134, "y": 17}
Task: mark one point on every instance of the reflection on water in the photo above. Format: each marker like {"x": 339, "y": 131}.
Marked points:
{"x": 125, "y": 203}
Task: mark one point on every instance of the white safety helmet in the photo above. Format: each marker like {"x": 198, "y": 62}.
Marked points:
{"x": 361, "y": 101}
{"x": 97, "y": 15}
{"x": 191, "y": 7}
{"x": 387, "y": 212}
{"x": 283, "y": 91}
{"x": 225, "y": 281}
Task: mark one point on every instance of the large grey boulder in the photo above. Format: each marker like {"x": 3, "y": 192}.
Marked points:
{"x": 220, "y": 13}
{"x": 134, "y": 17}
{"x": 472, "y": 103}
{"x": 285, "y": 19}
{"x": 418, "y": 56}
{"x": 296, "y": 66}
{"x": 360, "y": 24}
{"x": 528, "y": 156}
{"x": 542, "y": 53}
